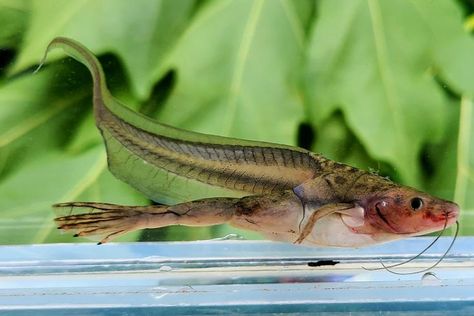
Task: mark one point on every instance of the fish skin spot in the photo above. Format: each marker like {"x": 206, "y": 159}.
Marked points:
{"x": 243, "y": 208}
{"x": 398, "y": 200}
{"x": 340, "y": 180}
{"x": 373, "y": 188}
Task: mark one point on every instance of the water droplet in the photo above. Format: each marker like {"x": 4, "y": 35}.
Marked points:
{"x": 166, "y": 268}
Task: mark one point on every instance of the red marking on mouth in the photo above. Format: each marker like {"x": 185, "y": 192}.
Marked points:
{"x": 437, "y": 218}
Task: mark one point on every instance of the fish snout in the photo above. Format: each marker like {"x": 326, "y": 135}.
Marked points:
{"x": 452, "y": 210}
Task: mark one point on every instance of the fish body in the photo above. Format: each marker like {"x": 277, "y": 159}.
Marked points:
{"x": 286, "y": 193}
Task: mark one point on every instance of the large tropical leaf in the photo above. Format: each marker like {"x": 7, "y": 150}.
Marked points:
{"x": 140, "y": 33}
{"x": 374, "y": 68}
{"x": 26, "y": 196}
{"x": 43, "y": 161}
{"x": 14, "y": 17}
{"x": 465, "y": 166}
{"x": 242, "y": 81}
{"x": 382, "y": 86}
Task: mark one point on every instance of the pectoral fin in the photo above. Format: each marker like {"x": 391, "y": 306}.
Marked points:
{"x": 354, "y": 217}
{"x": 325, "y": 210}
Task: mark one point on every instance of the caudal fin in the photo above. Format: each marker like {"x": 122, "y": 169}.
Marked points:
{"x": 103, "y": 221}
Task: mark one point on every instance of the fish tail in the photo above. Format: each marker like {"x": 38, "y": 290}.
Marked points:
{"x": 85, "y": 56}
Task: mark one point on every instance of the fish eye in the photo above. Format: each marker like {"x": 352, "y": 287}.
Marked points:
{"x": 416, "y": 203}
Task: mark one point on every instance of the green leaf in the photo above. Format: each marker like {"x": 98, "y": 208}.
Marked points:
{"x": 26, "y": 196}
{"x": 465, "y": 167}
{"x": 442, "y": 157}
{"x": 241, "y": 82}
{"x": 305, "y": 12}
{"x": 38, "y": 116}
{"x": 369, "y": 81}
{"x": 140, "y": 32}
{"x": 14, "y": 17}
{"x": 374, "y": 68}
{"x": 338, "y": 143}
{"x": 33, "y": 113}
{"x": 453, "y": 46}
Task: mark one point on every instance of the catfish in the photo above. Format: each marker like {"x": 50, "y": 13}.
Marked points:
{"x": 286, "y": 193}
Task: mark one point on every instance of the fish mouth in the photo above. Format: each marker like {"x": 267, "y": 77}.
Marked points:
{"x": 453, "y": 212}
{"x": 451, "y": 217}
{"x": 448, "y": 216}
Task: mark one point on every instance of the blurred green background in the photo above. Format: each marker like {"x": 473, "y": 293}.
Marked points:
{"x": 379, "y": 84}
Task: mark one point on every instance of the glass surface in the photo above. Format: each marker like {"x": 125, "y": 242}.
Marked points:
{"x": 223, "y": 277}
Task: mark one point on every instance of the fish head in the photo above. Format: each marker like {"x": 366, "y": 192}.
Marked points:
{"x": 380, "y": 211}
{"x": 406, "y": 211}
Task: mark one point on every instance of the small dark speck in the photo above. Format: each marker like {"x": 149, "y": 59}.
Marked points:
{"x": 340, "y": 180}
{"x": 398, "y": 200}
{"x": 322, "y": 263}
